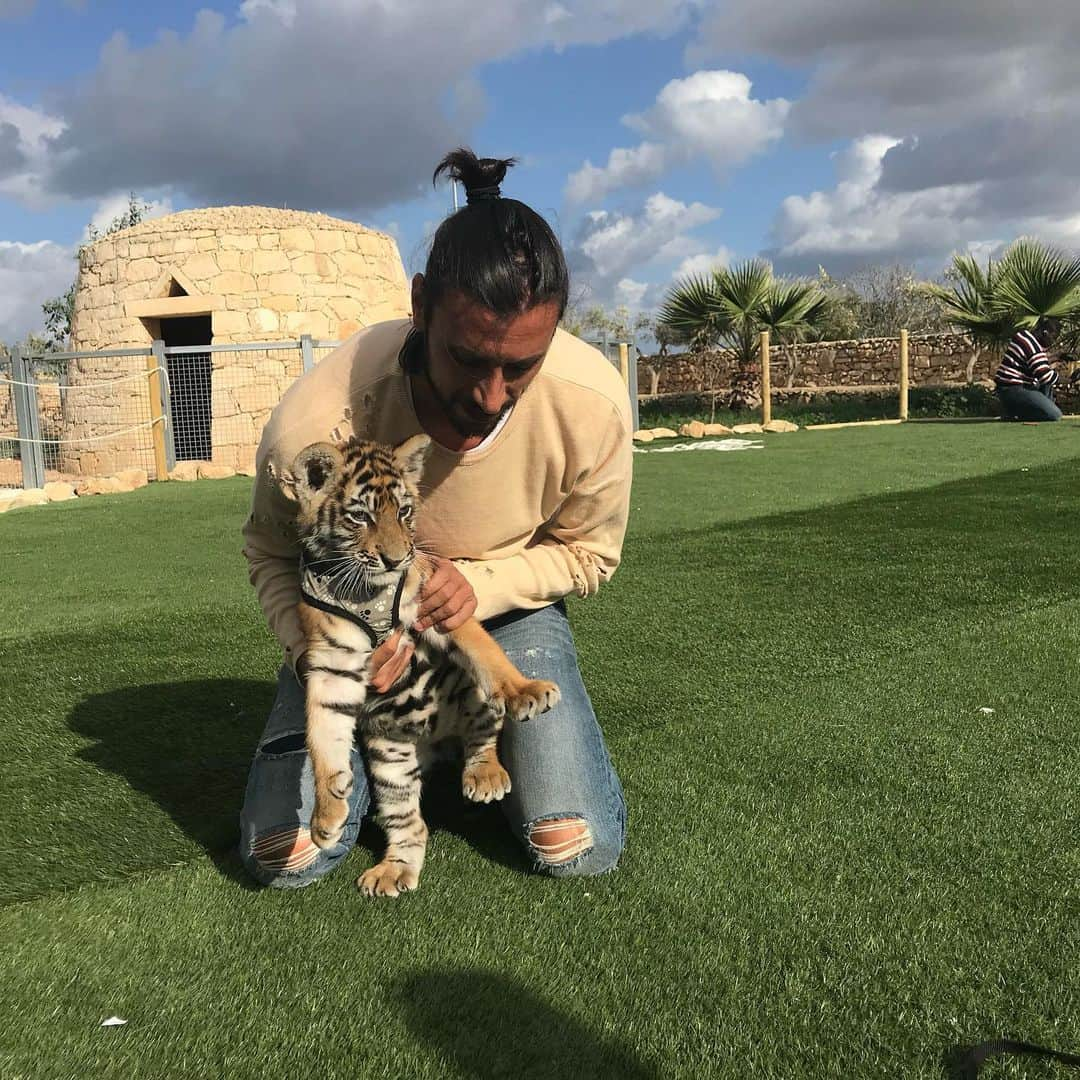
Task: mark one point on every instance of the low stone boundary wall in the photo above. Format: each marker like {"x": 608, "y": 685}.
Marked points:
{"x": 934, "y": 358}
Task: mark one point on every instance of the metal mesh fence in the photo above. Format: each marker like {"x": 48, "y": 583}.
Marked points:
{"x": 96, "y": 414}
{"x": 219, "y": 398}
{"x": 322, "y": 349}
{"x": 93, "y": 414}
{"x": 190, "y": 381}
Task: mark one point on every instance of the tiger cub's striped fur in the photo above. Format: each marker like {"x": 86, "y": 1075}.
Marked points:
{"x": 356, "y": 508}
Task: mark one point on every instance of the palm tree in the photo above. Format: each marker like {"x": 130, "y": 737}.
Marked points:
{"x": 1030, "y": 281}
{"x": 732, "y": 306}
{"x": 793, "y": 311}
{"x": 972, "y": 306}
{"x": 1039, "y": 281}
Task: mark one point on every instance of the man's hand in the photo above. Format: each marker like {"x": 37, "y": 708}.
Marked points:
{"x": 388, "y": 663}
{"x": 446, "y": 598}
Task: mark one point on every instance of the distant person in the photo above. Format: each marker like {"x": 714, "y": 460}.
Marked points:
{"x": 1025, "y": 381}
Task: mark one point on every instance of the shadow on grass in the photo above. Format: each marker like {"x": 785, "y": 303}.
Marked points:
{"x": 965, "y": 1061}
{"x": 491, "y": 1026}
{"x": 186, "y": 745}
{"x": 189, "y": 746}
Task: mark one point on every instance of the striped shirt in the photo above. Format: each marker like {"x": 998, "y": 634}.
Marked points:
{"x": 1025, "y": 363}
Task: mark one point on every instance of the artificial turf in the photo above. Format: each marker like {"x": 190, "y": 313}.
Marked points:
{"x": 838, "y": 865}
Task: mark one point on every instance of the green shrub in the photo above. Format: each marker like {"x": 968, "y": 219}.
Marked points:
{"x": 828, "y": 407}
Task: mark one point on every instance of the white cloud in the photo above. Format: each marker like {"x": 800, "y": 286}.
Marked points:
{"x": 700, "y": 265}
{"x": 876, "y": 63}
{"x": 712, "y": 113}
{"x": 982, "y": 96}
{"x": 283, "y": 10}
{"x": 708, "y": 115}
{"x": 857, "y": 220}
{"x": 30, "y": 274}
{"x": 24, "y": 143}
{"x": 625, "y": 168}
{"x": 615, "y": 242}
{"x": 613, "y": 249}
{"x": 304, "y": 104}
{"x": 630, "y": 293}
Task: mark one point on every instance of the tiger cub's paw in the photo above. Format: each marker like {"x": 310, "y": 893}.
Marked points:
{"x": 388, "y": 879}
{"x": 528, "y": 698}
{"x": 331, "y": 810}
{"x": 486, "y": 781}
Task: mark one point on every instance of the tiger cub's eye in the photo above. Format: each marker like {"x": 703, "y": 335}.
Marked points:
{"x": 405, "y": 513}
{"x": 358, "y": 517}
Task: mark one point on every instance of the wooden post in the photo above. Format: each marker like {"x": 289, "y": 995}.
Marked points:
{"x": 157, "y": 417}
{"x": 766, "y": 385}
{"x": 628, "y": 371}
{"x": 903, "y": 375}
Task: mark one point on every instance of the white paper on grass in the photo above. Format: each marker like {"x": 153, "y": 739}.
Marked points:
{"x": 113, "y": 1021}
{"x": 705, "y": 444}
{"x": 985, "y": 709}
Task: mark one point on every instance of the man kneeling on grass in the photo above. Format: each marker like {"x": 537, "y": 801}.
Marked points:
{"x": 1025, "y": 380}
{"x": 527, "y": 492}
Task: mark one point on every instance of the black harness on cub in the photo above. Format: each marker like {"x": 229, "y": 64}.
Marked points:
{"x": 376, "y": 613}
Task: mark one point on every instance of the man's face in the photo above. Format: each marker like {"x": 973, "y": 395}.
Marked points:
{"x": 479, "y": 363}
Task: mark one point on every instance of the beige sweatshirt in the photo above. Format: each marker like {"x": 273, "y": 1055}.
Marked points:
{"x": 535, "y": 513}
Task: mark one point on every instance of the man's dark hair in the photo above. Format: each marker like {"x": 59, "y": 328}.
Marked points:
{"x": 1047, "y": 330}
{"x": 498, "y": 252}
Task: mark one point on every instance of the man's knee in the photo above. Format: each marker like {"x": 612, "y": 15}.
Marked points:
{"x": 284, "y": 857}
{"x": 569, "y": 847}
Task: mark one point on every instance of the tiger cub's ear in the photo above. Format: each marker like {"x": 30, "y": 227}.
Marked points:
{"x": 314, "y": 469}
{"x": 410, "y": 456}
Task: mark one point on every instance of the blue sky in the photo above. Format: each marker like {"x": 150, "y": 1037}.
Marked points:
{"x": 658, "y": 136}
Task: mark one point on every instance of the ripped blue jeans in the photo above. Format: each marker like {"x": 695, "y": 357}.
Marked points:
{"x": 566, "y": 805}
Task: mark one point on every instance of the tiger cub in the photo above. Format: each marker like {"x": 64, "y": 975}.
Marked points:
{"x": 360, "y": 578}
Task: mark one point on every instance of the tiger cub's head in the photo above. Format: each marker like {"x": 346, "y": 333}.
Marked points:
{"x": 358, "y": 501}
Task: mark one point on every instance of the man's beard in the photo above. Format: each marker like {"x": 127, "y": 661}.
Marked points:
{"x": 463, "y": 425}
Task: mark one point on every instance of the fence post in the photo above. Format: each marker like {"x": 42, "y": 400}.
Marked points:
{"x": 166, "y": 407}
{"x": 306, "y": 354}
{"x": 766, "y": 384}
{"x": 26, "y": 420}
{"x": 903, "y": 374}
{"x": 157, "y": 417}
{"x": 634, "y": 387}
{"x": 631, "y": 385}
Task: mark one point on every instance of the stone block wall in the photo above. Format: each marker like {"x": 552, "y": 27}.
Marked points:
{"x": 278, "y": 274}
{"x": 261, "y": 274}
{"x": 933, "y": 358}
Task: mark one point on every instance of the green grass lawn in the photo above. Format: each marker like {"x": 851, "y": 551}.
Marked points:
{"x": 837, "y": 866}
